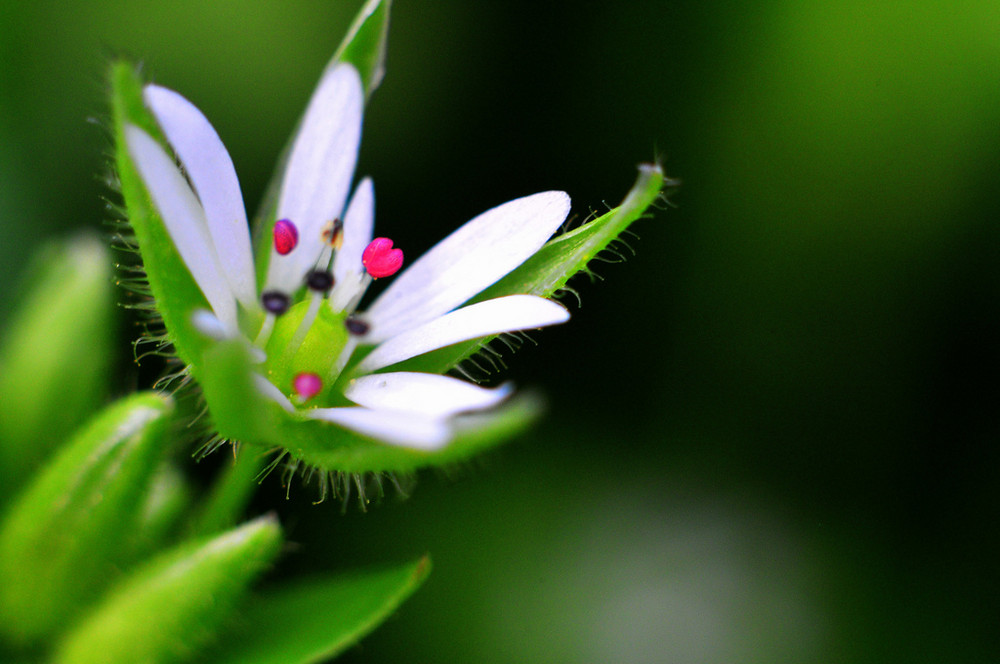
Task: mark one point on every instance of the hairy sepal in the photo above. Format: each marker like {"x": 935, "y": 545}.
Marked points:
{"x": 175, "y": 292}
{"x": 364, "y": 48}
{"x": 548, "y": 271}
{"x": 240, "y": 412}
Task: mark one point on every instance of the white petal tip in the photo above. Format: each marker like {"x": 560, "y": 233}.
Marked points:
{"x": 271, "y": 391}
{"x": 424, "y": 395}
{"x": 392, "y": 428}
{"x": 503, "y": 314}
{"x": 208, "y": 324}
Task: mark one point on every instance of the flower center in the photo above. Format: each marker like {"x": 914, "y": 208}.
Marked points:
{"x": 309, "y": 342}
{"x": 289, "y": 363}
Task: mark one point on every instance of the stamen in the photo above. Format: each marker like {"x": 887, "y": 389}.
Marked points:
{"x": 306, "y": 323}
{"x": 265, "y": 332}
{"x": 363, "y": 283}
{"x": 357, "y": 326}
{"x": 320, "y": 281}
{"x": 333, "y": 234}
{"x": 286, "y": 236}
{"x": 307, "y": 385}
{"x": 380, "y": 259}
{"x": 342, "y": 359}
{"x": 275, "y": 302}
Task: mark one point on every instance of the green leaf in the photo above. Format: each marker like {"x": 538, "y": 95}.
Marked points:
{"x": 315, "y": 620}
{"x": 55, "y": 355}
{"x": 166, "y": 609}
{"x": 63, "y": 538}
{"x": 548, "y": 271}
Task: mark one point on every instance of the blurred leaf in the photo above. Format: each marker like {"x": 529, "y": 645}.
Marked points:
{"x": 168, "y": 499}
{"x": 231, "y": 493}
{"x": 547, "y": 272}
{"x": 55, "y": 355}
{"x": 63, "y": 537}
{"x": 166, "y": 609}
{"x": 315, "y": 620}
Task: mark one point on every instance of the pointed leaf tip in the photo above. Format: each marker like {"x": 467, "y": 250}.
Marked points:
{"x": 314, "y": 620}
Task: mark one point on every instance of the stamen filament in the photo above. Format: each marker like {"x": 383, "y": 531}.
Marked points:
{"x": 305, "y": 324}
{"x": 342, "y": 359}
{"x": 265, "y": 331}
{"x": 366, "y": 281}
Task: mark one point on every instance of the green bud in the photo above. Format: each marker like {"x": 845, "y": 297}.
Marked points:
{"x": 165, "y": 610}
{"x": 62, "y": 539}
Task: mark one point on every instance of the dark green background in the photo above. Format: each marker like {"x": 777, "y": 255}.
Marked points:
{"x": 772, "y": 434}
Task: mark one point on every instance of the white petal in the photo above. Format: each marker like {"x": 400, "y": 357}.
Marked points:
{"x": 271, "y": 391}
{"x": 502, "y": 314}
{"x": 359, "y": 221}
{"x": 319, "y": 172}
{"x": 467, "y": 261}
{"x": 184, "y": 218}
{"x": 211, "y": 171}
{"x": 213, "y": 328}
{"x": 424, "y": 394}
{"x": 401, "y": 429}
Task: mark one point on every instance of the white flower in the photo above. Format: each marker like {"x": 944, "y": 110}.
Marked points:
{"x": 294, "y": 330}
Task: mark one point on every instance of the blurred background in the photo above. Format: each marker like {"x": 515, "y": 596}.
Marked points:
{"x": 772, "y": 433}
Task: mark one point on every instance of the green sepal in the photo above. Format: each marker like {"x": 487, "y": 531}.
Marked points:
{"x": 241, "y": 413}
{"x": 174, "y": 290}
{"x": 55, "y": 355}
{"x": 66, "y": 534}
{"x": 364, "y": 48}
{"x": 328, "y": 447}
{"x": 365, "y": 44}
{"x": 168, "y": 608}
{"x": 548, "y": 271}
{"x": 313, "y": 620}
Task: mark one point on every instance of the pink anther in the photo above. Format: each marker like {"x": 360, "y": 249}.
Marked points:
{"x": 380, "y": 259}
{"x": 286, "y": 236}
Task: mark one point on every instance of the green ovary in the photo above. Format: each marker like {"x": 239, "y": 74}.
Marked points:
{"x": 317, "y": 353}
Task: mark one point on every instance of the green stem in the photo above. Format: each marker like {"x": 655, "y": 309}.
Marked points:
{"x": 229, "y": 497}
